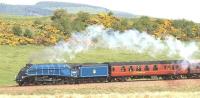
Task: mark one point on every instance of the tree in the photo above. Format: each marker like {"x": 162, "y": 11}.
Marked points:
{"x": 62, "y": 21}
{"x": 121, "y": 25}
{"x": 17, "y": 30}
{"x": 110, "y": 13}
{"x": 116, "y": 25}
{"x": 145, "y": 23}
{"x": 59, "y": 14}
{"x": 185, "y": 26}
{"x": 80, "y": 23}
{"x": 83, "y": 16}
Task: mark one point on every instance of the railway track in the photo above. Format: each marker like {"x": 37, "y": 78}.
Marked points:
{"x": 129, "y": 86}
{"x": 128, "y": 81}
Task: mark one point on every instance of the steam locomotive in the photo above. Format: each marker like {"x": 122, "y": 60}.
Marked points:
{"x": 68, "y": 73}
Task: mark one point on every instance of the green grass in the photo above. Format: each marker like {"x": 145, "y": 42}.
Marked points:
{"x": 13, "y": 58}
{"x": 21, "y": 18}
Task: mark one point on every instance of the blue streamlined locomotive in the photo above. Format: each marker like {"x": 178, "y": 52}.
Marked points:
{"x": 61, "y": 73}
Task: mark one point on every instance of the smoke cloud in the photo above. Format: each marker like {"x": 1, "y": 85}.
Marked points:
{"x": 98, "y": 37}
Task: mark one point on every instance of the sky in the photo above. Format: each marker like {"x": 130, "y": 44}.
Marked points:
{"x": 171, "y": 9}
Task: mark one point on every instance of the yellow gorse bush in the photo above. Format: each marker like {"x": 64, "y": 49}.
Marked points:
{"x": 104, "y": 19}
{"x": 47, "y": 33}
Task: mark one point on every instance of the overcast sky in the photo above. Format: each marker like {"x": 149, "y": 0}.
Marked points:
{"x": 172, "y": 9}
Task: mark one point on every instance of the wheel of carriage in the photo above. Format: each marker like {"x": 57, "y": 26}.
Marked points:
{"x": 123, "y": 79}
{"x": 178, "y": 77}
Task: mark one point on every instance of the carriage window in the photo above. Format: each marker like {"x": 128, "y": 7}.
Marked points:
{"x": 138, "y": 68}
{"x": 177, "y": 66}
{"x": 131, "y": 68}
{"x": 113, "y": 68}
{"x": 173, "y": 67}
{"x": 169, "y": 67}
{"x": 123, "y": 69}
{"x": 155, "y": 67}
{"x": 146, "y": 68}
{"x": 165, "y": 67}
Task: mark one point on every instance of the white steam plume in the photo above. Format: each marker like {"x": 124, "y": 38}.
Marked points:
{"x": 133, "y": 40}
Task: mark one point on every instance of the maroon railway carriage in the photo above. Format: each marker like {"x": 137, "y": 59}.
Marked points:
{"x": 194, "y": 70}
{"x": 164, "y": 69}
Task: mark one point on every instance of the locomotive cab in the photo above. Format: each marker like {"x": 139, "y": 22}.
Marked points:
{"x": 74, "y": 73}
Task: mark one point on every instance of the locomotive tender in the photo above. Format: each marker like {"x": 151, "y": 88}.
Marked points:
{"x": 67, "y": 73}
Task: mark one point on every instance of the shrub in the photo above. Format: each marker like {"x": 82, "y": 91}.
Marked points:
{"x": 17, "y": 30}
{"x": 37, "y": 22}
{"x": 28, "y": 33}
{"x": 83, "y": 16}
{"x": 62, "y": 21}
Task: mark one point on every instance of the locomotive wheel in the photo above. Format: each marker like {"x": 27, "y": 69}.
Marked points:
{"x": 21, "y": 83}
{"x": 61, "y": 82}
